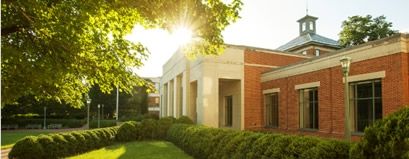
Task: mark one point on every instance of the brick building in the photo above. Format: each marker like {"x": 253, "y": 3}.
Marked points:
{"x": 293, "y": 89}
{"x": 153, "y": 97}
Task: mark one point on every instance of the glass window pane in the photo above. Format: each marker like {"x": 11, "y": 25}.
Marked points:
{"x": 310, "y": 108}
{"x": 378, "y": 108}
{"x": 378, "y": 89}
{"x": 364, "y": 113}
{"x": 364, "y": 90}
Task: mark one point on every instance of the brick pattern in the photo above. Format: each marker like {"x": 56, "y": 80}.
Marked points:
{"x": 331, "y": 91}
{"x": 153, "y": 101}
{"x": 253, "y": 98}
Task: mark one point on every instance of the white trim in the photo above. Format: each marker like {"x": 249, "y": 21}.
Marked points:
{"x": 259, "y": 65}
{"x": 366, "y": 76}
{"x": 307, "y": 85}
{"x": 273, "y": 90}
{"x": 380, "y": 48}
{"x": 279, "y": 53}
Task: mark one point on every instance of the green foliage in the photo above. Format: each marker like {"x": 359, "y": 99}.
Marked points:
{"x": 184, "y": 120}
{"x": 164, "y": 125}
{"x": 132, "y": 104}
{"x": 204, "y": 142}
{"x": 28, "y": 105}
{"x": 128, "y": 132}
{"x": 386, "y": 138}
{"x": 60, "y": 45}
{"x": 102, "y": 123}
{"x": 27, "y": 148}
{"x": 361, "y": 29}
{"x": 71, "y": 145}
{"x": 63, "y": 144}
{"x": 149, "y": 129}
{"x": 67, "y": 123}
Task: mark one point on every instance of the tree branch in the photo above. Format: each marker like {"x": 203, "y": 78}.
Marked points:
{"x": 12, "y": 29}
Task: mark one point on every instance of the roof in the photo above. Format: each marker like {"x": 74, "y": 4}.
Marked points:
{"x": 336, "y": 53}
{"x": 307, "y": 17}
{"x": 308, "y": 38}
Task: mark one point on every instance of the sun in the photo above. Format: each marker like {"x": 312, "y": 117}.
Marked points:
{"x": 182, "y": 35}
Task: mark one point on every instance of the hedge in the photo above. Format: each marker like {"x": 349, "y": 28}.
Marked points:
{"x": 102, "y": 123}
{"x": 67, "y": 123}
{"x": 148, "y": 129}
{"x": 386, "y": 138}
{"x": 204, "y": 142}
{"x": 62, "y": 144}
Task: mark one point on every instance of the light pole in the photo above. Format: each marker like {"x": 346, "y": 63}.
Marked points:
{"x": 345, "y": 63}
{"x": 102, "y": 116}
{"x": 117, "y": 104}
{"x": 88, "y": 105}
{"x": 45, "y": 117}
{"x": 98, "y": 113}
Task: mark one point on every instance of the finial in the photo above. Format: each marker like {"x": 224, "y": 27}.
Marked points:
{"x": 306, "y": 7}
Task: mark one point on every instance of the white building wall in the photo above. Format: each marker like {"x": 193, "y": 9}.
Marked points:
{"x": 206, "y": 71}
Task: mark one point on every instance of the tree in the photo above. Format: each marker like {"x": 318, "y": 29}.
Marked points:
{"x": 359, "y": 29}
{"x": 59, "y": 49}
{"x": 130, "y": 105}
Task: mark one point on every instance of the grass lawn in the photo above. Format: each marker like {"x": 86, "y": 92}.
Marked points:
{"x": 137, "y": 149}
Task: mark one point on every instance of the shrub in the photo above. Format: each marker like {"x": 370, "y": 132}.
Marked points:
{"x": 80, "y": 144}
{"x": 386, "y": 138}
{"x": 149, "y": 129}
{"x": 72, "y": 144}
{"x": 61, "y": 143}
{"x": 150, "y": 116}
{"x": 64, "y": 144}
{"x": 102, "y": 123}
{"x": 67, "y": 123}
{"x": 204, "y": 142}
{"x": 184, "y": 120}
{"x": 127, "y": 132}
{"x": 26, "y": 148}
{"x": 164, "y": 125}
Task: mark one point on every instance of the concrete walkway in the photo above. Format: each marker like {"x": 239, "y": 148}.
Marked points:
{"x": 5, "y": 153}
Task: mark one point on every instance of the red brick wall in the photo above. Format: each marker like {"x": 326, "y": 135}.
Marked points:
{"x": 153, "y": 101}
{"x": 253, "y": 116}
{"x": 331, "y": 91}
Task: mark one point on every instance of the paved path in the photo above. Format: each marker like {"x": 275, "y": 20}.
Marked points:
{"x": 5, "y": 153}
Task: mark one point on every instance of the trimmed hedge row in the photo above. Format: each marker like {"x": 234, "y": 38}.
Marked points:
{"x": 76, "y": 142}
{"x": 68, "y": 123}
{"x": 63, "y": 144}
{"x": 148, "y": 129}
{"x": 204, "y": 142}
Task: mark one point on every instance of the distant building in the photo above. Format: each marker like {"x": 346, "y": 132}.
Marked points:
{"x": 288, "y": 90}
{"x": 153, "y": 98}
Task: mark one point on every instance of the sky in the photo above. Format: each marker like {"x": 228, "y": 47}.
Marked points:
{"x": 271, "y": 23}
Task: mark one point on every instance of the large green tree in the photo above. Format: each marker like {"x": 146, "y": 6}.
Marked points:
{"x": 361, "y": 29}
{"x": 59, "y": 49}
{"x": 130, "y": 105}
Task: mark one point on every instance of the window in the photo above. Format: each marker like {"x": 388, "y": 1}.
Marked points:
{"x": 311, "y": 26}
{"x": 304, "y": 52}
{"x": 366, "y": 103}
{"x": 271, "y": 111}
{"x": 304, "y": 26}
{"x": 228, "y": 111}
{"x": 309, "y": 108}
{"x": 317, "y": 52}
